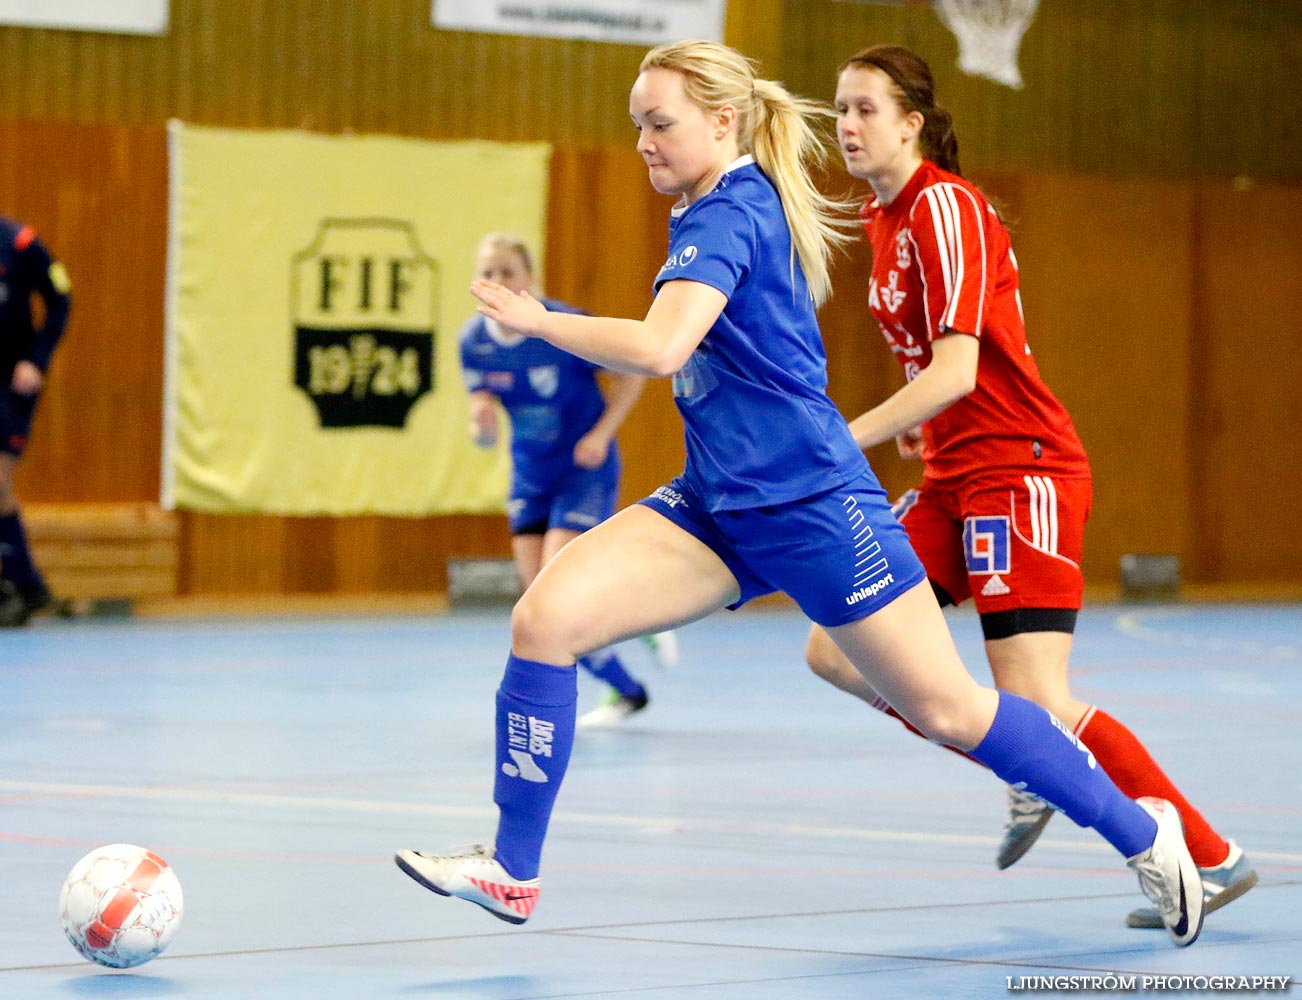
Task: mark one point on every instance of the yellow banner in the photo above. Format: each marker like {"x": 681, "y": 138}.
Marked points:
{"x": 316, "y": 287}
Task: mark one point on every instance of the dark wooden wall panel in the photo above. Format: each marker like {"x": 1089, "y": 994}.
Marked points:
{"x": 1168, "y": 329}
{"x": 1144, "y": 269}
{"x": 1108, "y": 316}
{"x": 1160, "y": 87}
{"x": 97, "y": 194}
{"x": 328, "y": 65}
{"x": 1168, "y": 88}
{"x": 1245, "y": 383}
{"x": 249, "y": 554}
{"x": 607, "y": 237}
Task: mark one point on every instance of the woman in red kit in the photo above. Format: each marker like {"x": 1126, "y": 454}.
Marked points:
{"x": 1000, "y": 515}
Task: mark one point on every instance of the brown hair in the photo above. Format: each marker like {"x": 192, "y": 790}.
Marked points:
{"x": 914, "y": 90}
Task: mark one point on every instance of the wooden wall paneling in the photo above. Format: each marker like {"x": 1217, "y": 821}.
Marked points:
{"x": 1138, "y": 294}
{"x": 97, "y": 195}
{"x": 412, "y": 554}
{"x": 607, "y": 238}
{"x": 1106, "y": 269}
{"x": 311, "y": 557}
{"x": 328, "y": 65}
{"x": 358, "y": 553}
{"x": 1158, "y": 87}
{"x": 626, "y": 230}
{"x": 1155, "y": 87}
{"x": 1242, "y": 97}
{"x": 1246, "y": 384}
{"x": 756, "y": 28}
{"x": 405, "y": 555}
{"x": 437, "y": 539}
{"x": 254, "y": 554}
{"x": 233, "y": 554}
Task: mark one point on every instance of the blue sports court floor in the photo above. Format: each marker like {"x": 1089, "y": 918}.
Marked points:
{"x": 754, "y": 835}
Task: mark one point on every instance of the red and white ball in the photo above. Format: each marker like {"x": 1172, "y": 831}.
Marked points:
{"x": 120, "y": 905}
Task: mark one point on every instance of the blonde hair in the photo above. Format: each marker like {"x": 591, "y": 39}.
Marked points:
{"x": 775, "y": 126}
{"x": 511, "y": 243}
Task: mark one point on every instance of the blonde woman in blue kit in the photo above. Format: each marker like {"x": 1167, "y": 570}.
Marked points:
{"x": 775, "y": 495}
{"x": 565, "y": 462}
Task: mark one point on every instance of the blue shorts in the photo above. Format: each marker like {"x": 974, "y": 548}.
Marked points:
{"x": 581, "y": 500}
{"x": 15, "y": 420}
{"x": 840, "y": 555}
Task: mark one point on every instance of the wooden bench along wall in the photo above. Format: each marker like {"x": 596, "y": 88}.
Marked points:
{"x": 105, "y": 551}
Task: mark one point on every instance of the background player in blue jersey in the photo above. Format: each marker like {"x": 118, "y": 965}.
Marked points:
{"x": 26, "y": 270}
{"x": 776, "y": 495}
{"x": 565, "y": 459}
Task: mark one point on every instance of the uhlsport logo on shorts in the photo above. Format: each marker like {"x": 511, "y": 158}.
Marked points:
{"x": 668, "y": 497}
{"x": 872, "y": 570}
{"x": 872, "y": 590}
{"x": 365, "y": 308}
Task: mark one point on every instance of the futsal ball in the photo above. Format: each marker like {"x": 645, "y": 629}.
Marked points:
{"x": 120, "y": 905}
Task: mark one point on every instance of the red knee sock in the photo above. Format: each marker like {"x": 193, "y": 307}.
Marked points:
{"x": 883, "y": 706}
{"x": 1136, "y": 773}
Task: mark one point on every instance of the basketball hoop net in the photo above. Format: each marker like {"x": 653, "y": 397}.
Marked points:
{"x": 989, "y": 33}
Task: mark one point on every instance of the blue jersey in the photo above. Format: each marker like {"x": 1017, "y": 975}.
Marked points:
{"x": 551, "y": 396}
{"x": 760, "y": 428}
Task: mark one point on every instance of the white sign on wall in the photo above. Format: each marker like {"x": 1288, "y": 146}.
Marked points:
{"x": 639, "y": 22}
{"x": 136, "y": 17}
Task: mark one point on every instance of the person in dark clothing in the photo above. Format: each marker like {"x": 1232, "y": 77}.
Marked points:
{"x": 27, "y": 270}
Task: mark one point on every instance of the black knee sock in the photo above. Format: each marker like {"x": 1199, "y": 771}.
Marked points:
{"x": 15, "y": 558}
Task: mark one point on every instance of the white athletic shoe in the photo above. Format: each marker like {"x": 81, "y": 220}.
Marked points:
{"x": 664, "y": 648}
{"x": 1168, "y": 875}
{"x": 1223, "y": 883}
{"x": 615, "y": 711}
{"x": 475, "y": 876}
{"x": 1027, "y": 816}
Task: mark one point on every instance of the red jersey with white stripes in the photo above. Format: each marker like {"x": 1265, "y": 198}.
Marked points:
{"x": 943, "y": 265}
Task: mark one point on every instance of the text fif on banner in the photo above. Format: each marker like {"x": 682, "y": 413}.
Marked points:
{"x": 316, "y": 287}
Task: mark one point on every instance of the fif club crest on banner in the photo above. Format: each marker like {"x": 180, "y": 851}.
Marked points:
{"x": 365, "y": 308}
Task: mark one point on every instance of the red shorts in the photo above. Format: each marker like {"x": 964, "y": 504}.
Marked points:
{"x": 1011, "y": 541}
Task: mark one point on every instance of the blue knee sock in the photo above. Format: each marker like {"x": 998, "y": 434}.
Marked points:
{"x": 15, "y": 559}
{"x": 535, "y": 733}
{"x": 605, "y": 665}
{"x": 1028, "y": 748}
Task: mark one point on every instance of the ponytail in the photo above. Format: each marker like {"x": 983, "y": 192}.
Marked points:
{"x": 776, "y": 127}
{"x": 786, "y": 146}
{"x": 938, "y": 139}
